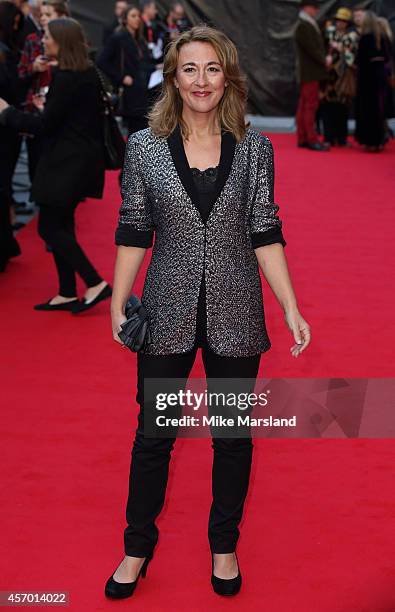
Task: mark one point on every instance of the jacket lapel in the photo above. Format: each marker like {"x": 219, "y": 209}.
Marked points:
{"x": 176, "y": 146}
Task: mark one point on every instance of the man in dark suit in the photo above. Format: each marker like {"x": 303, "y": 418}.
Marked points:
{"x": 154, "y": 30}
{"x": 120, "y": 7}
{"x": 312, "y": 64}
{"x": 31, "y": 24}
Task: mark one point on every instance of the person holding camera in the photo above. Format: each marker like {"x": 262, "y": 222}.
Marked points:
{"x": 71, "y": 166}
{"x": 35, "y": 70}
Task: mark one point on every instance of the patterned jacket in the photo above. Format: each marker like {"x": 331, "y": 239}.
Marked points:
{"x": 343, "y": 59}
{"x": 32, "y": 49}
{"x": 159, "y": 197}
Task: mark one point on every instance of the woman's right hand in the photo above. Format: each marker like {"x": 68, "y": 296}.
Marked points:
{"x": 127, "y": 80}
{"x": 40, "y": 64}
{"x": 116, "y": 320}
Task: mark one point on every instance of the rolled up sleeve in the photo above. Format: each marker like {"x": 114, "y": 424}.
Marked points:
{"x": 265, "y": 224}
{"x": 135, "y": 223}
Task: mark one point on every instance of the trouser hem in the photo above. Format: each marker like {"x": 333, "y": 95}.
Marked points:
{"x": 222, "y": 550}
{"x": 138, "y": 553}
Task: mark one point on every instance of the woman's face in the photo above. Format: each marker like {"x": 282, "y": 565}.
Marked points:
{"x": 358, "y": 17}
{"x": 47, "y": 14}
{"x": 133, "y": 19}
{"x": 199, "y": 76}
{"x": 50, "y": 45}
{"x": 341, "y": 26}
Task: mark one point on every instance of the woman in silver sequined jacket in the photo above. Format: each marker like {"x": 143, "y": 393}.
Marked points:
{"x": 207, "y": 245}
{"x": 157, "y": 200}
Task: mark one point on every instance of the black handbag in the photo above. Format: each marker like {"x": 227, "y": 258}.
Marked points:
{"x": 114, "y": 142}
{"x": 135, "y": 332}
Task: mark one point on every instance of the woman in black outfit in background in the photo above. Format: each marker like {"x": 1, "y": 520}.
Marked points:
{"x": 11, "y": 23}
{"x": 370, "y": 104}
{"x": 71, "y": 166}
{"x": 126, "y": 60}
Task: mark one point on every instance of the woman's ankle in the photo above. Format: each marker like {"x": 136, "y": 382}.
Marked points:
{"x": 102, "y": 282}
{"x": 63, "y": 298}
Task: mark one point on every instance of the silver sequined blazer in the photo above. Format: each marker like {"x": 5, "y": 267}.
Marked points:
{"x": 159, "y": 198}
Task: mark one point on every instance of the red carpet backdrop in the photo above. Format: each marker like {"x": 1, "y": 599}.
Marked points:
{"x": 319, "y": 529}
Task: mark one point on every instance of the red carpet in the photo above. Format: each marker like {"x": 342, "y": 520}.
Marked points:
{"x": 319, "y": 527}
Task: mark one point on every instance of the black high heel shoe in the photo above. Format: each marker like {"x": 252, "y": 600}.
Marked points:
{"x": 225, "y": 586}
{"x": 120, "y": 590}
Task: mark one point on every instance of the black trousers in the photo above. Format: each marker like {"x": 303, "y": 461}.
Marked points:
{"x": 56, "y": 226}
{"x": 9, "y": 246}
{"x": 150, "y": 457}
{"x": 34, "y": 149}
{"x": 335, "y": 116}
{"x": 10, "y": 147}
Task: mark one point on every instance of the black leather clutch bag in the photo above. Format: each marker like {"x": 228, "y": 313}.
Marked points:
{"x": 135, "y": 332}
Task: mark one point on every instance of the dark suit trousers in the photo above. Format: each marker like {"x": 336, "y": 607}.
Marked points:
{"x": 150, "y": 457}
{"x": 335, "y": 115}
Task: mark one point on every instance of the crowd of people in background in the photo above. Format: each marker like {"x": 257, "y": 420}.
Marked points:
{"x": 344, "y": 67}
{"x": 133, "y": 48}
{"x": 68, "y": 125}
{"x": 58, "y": 161}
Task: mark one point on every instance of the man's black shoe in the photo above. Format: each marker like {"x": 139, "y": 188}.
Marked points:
{"x": 17, "y": 225}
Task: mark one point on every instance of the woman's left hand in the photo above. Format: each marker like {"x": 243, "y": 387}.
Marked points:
{"x": 3, "y": 105}
{"x": 300, "y": 329}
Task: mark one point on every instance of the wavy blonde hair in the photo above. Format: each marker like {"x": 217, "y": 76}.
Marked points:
{"x": 166, "y": 112}
{"x": 371, "y": 25}
{"x": 385, "y": 28}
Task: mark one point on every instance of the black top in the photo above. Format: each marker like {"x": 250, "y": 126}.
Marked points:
{"x": 10, "y": 87}
{"x": 204, "y": 181}
{"x": 71, "y": 164}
